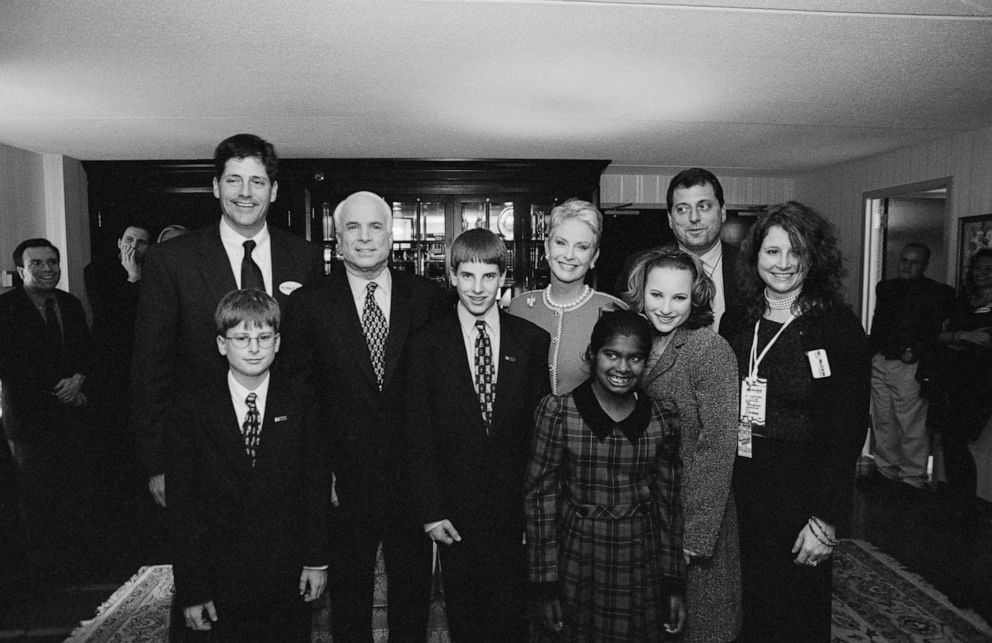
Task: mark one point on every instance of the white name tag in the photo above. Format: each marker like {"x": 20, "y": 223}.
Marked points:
{"x": 754, "y": 397}
{"x": 744, "y": 439}
{"x": 819, "y": 366}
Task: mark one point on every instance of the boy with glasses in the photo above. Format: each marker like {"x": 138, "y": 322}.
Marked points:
{"x": 247, "y": 487}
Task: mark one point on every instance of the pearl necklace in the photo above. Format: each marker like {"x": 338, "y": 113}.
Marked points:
{"x": 781, "y": 304}
{"x": 569, "y": 307}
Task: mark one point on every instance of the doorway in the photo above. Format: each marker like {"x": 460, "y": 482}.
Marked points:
{"x": 917, "y": 212}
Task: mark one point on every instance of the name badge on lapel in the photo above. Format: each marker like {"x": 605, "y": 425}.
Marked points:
{"x": 280, "y": 418}
{"x": 819, "y": 366}
{"x": 510, "y": 358}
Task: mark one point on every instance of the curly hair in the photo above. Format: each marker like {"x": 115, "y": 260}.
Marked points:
{"x": 813, "y": 238}
{"x": 671, "y": 256}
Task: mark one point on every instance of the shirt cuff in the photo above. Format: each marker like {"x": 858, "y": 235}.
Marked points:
{"x": 316, "y": 568}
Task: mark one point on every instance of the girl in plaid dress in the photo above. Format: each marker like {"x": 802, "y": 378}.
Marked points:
{"x": 604, "y": 520}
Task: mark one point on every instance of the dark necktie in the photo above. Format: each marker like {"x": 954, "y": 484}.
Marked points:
{"x": 54, "y": 329}
{"x": 251, "y": 274}
{"x": 484, "y": 373}
{"x": 251, "y": 430}
{"x": 375, "y": 329}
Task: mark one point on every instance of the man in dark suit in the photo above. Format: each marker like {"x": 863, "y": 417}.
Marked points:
{"x": 347, "y": 336}
{"x": 476, "y": 377}
{"x": 44, "y": 344}
{"x": 184, "y": 279}
{"x": 248, "y": 482}
{"x": 696, "y": 214}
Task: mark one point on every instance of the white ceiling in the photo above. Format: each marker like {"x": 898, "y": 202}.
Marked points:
{"x": 762, "y": 86}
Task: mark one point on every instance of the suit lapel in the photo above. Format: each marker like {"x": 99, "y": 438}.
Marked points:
{"x": 223, "y": 425}
{"x": 345, "y": 316}
{"x": 214, "y": 266}
{"x": 508, "y": 377}
{"x": 671, "y": 355}
{"x": 282, "y": 264}
{"x": 399, "y": 326}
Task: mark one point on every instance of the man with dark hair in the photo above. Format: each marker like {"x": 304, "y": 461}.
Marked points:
{"x": 44, "y": 344}
{"x": 112, "y": 286}
{"x": 182, "y": 281}
{"x": 909, "y": 312}
{"x": 696, "y": 213}
{"x": 348, "y": 338}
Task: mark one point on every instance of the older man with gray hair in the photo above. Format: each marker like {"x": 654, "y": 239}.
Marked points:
{"x": 345, "y": 339}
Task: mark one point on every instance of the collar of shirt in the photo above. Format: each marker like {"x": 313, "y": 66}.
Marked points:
{"x": 469, "y": 333}
{"x": 234, "y": 247}
{"x": 712, "y": 259}
{"x": 383, "y": 294}
{"x": 239, "y": 394}
{"x": 39, "y": 303}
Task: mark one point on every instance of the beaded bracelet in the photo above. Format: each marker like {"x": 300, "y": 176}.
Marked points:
{"x": 825, "y": 540}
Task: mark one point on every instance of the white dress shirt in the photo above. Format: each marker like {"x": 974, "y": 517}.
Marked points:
{"x": 239, "y": 394}
{"x": 382, "y": 294}
{"x": 713, "y": 265}
{"x": 470, "y": 333}
{"x": 234, "y": 247}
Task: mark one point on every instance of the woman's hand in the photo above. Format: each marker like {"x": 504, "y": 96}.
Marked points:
{"x": 811, "y": 547}
{"x": 551, "y": 616}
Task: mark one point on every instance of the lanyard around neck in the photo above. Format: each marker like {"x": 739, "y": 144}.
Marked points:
{"x": 755, "y": 359}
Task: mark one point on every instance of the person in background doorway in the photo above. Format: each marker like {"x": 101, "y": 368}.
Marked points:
{"x": 805, "y": 370}
{"x": 568, "y": 308}
{"x": 909, "y": 312}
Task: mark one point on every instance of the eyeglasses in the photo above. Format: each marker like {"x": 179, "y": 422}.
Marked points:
{"x": 703, "y": 207}
{"x": 241, "y": 342}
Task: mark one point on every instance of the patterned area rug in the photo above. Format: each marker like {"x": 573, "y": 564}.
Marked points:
{"x": 875, "y": 601}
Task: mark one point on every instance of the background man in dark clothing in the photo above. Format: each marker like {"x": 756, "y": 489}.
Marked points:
{"x": 909, "y": 311}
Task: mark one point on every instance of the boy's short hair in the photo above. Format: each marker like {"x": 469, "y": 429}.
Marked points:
{"x": 480, "y": 246}
{"x": 253, "y": 307}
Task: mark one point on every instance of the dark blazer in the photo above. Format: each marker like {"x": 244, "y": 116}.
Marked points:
{"x": 244, "y": 533}
{"x": 325, "y": 349}
{"x": 175, "y": 351}
{"x": 459, "y": 472}
{"x": 29, "y": 368}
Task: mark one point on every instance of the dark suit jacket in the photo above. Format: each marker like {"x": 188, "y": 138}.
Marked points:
{"x": 29, "y": 368}
{"x": 459, "y": 472}
{"x": 242, "y": 532}
{"x": 324, "y": 348}
{"x": 175, "y": 350}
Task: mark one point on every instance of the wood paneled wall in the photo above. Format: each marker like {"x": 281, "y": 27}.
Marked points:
{"x": 619, "y": 185}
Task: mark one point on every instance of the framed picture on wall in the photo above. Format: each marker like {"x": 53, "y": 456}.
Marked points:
{"x": 975, "y": 234}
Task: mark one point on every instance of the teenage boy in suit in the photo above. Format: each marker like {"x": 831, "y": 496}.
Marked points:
{"x": 476, "y": 377}
{"x": 248, "y": 490}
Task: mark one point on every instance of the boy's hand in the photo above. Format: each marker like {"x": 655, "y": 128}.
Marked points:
{"x": 156, "y": 485}
{"x": 445, "y": 533}
{"x": 676, "y": 614}
{"x": 312, "y": 583}
{"x": 195, "y": 619}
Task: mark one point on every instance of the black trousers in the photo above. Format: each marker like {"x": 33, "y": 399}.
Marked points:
{"x": 280, "y": 621}
{"x": 406, "y": 551}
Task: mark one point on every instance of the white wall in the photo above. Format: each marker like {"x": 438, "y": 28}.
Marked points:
{"x": 646, "y": 187}
{"x": 838, "y": 192}
{"x": 44, "y": 195}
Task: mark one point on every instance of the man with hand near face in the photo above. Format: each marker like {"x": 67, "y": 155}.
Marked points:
{"x": 183, "y": 280}
{"x": 44, "y": 345}
{"x": 347, "y": 337}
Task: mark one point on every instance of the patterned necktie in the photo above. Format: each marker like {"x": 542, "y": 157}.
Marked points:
{"x": 484, "y": 373}
{"x": 375, "y": 329}
{"x": 252, "y": 428}
{"x": 251, "y": 274}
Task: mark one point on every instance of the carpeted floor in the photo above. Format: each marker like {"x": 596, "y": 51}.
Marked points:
{"x": 875, "y": 601}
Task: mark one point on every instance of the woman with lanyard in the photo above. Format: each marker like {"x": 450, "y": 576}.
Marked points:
{"x": 568, "y": 308}
{"x": 805, "y": 371}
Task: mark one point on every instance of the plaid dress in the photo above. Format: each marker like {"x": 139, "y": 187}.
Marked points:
{"x": 604, "y": 520}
